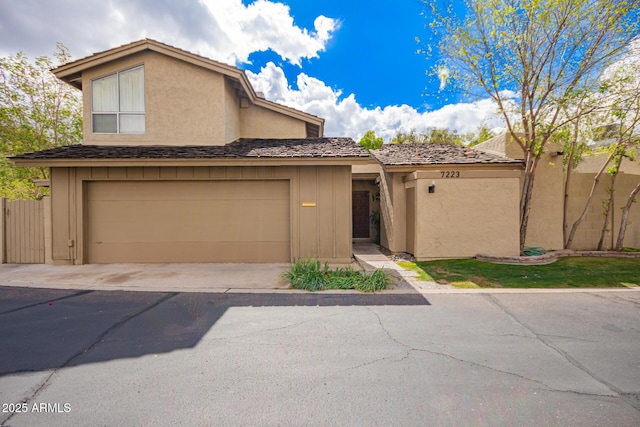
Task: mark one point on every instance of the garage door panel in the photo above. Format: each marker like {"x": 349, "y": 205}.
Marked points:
{"x": 194, "y": 191}
{"x": 211, "y": 221}
{"x": 139, "y": 232}
{"x": 162, "y": 225}
{"x": 191, "y": 252}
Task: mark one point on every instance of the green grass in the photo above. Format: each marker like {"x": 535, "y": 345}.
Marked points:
{"x": 313, "y": 275}
{"x": 570, "y": 272}
{"x": 422, "y": 275}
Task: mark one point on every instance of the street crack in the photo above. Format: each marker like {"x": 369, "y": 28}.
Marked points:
{"x": 553, "y": 347}
{"x": 77, "y": 294}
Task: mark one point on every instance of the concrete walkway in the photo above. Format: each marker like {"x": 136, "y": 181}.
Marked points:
{"x": 221, "y": 278}
{"x": 171, "y": 277}
{"x": 370, "y": 258}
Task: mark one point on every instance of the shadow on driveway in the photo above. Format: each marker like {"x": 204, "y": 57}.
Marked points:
{"x": 42, "y": 329}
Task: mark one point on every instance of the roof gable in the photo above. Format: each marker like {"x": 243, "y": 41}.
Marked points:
{"x": 71, "y": 73}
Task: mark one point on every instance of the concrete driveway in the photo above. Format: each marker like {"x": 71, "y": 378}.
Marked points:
{"x": 178, "y": 277}
{"x": 154, "y": 358}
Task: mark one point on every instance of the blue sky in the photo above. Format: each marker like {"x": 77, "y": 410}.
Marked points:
{"x": 352, "y": 63}
{"x": 372, "y": 54}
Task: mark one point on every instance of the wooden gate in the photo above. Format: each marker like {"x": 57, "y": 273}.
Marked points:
{"x": 22, "y": 231}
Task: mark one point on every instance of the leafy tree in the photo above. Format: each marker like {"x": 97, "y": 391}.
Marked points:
{"x": 37, "y": 111}
{"x": 483, "y": 134}
{"x": 540, "y": 51}
{"x": 622, "y": 84}
{"x": 432, "y": 135}
{"x": 370, "y": 141}
{"x": 616, "y": 105}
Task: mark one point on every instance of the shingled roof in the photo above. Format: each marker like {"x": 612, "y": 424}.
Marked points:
{"x": 243, "y": 148}
{"x": 434, "y": 154}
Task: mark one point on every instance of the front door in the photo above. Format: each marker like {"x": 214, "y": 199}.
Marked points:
{"x": 360, "y": 214}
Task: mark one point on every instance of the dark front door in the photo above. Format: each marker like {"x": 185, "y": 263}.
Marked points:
{"x": 360, "y": 214}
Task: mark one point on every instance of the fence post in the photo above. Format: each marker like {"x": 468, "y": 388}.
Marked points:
{"x": 46, "y": 210}
{"x": 3, "y": 213}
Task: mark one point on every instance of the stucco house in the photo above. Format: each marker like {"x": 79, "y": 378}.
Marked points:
{"x": 442, "y": 201}
{"x": 546, "y": 227}
{"x": 182, "y": 161}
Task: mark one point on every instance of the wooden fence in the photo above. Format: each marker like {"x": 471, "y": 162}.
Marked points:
{"x": 22, "y": 231}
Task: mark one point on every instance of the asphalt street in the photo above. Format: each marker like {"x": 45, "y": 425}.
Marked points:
{"x": 73, "y": 357}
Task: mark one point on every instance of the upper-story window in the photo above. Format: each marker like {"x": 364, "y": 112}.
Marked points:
{"x": 117, "y": 102}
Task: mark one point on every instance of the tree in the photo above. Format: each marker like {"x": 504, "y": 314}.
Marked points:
{"x": 483, "y": 134}
{"x": 611, "y": 121}
{"x": 432, "y": 135}
{"x": 623, "y": 81}
{"x": 37, "y": 111}
{"x": 370, "y": 141}
{"x": 540, "y": 50}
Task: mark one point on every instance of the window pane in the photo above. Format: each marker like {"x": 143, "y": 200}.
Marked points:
{"x": 131, "y": 123}
{"x": 104, "y": 94}
{"x": 105, "y": 123}
{"x": 132, "y": 90}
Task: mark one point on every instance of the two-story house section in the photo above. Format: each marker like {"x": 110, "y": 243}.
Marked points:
{"x": 182, "y": 161}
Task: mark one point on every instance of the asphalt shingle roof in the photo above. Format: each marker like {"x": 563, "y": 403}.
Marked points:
{"x": 243, "y": 148}
{"x": 434, "y": 154}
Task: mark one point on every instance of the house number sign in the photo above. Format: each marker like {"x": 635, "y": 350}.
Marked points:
{"x": 450, "y": 174}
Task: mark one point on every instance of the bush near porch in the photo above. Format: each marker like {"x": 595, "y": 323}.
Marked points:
{"x": 313, "y": 275}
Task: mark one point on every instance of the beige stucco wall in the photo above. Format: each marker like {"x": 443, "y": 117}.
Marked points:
{"x": 545, "y": 218}
{"x": 393, "y": 211}
{"x": 184, "y": 104}
{"x": 477, "y": 213}
{"x": 372, "y": 169}
{"x": 320, "y": 229}
{"x": 592, "y": 164}
{"x": 188, "y": 105}
{"x": 588, "y": 233}
{"x": 231, "y": 112}
{"x": 465, "y": 217}
{"x": 259, "y": 122}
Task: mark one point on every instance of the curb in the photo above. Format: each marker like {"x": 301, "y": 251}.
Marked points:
{"x": 551, "y": 257}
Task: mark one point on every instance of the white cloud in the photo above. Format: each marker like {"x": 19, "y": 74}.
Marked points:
{"x": 346, "y": 117}
{"x": 225, "y": 30}
{"x": 265, "y": 25}
{"x": 229, "y": 31}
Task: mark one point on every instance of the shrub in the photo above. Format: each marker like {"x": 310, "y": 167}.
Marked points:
{"x": 312, "y": 275}
{"x": 376, "y": 281}
{"x": 309, "y": 274}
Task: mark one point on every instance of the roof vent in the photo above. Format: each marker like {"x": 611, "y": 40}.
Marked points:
{"x": 260, "y": 95}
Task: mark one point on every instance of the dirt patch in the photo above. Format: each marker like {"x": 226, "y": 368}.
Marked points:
{"x": 484, "y": 283}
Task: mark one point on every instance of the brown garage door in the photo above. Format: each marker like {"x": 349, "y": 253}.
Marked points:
{"x": 188, "y": 221}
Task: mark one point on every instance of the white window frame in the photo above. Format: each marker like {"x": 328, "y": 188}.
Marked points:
{"x": 118, "y": 113}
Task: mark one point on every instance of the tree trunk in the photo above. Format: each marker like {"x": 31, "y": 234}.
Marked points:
{"x": 625, "y": 217}
{"x": 567, "y": 182}
{"x": 576, "y": 224}
{"x": 608, "y": 217}
{"x": 525, "y": 201}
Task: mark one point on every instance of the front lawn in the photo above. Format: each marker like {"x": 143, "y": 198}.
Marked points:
{"x": 570, "y": 272}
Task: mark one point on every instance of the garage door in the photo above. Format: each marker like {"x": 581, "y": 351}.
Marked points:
{"x": 187, "y": 221}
